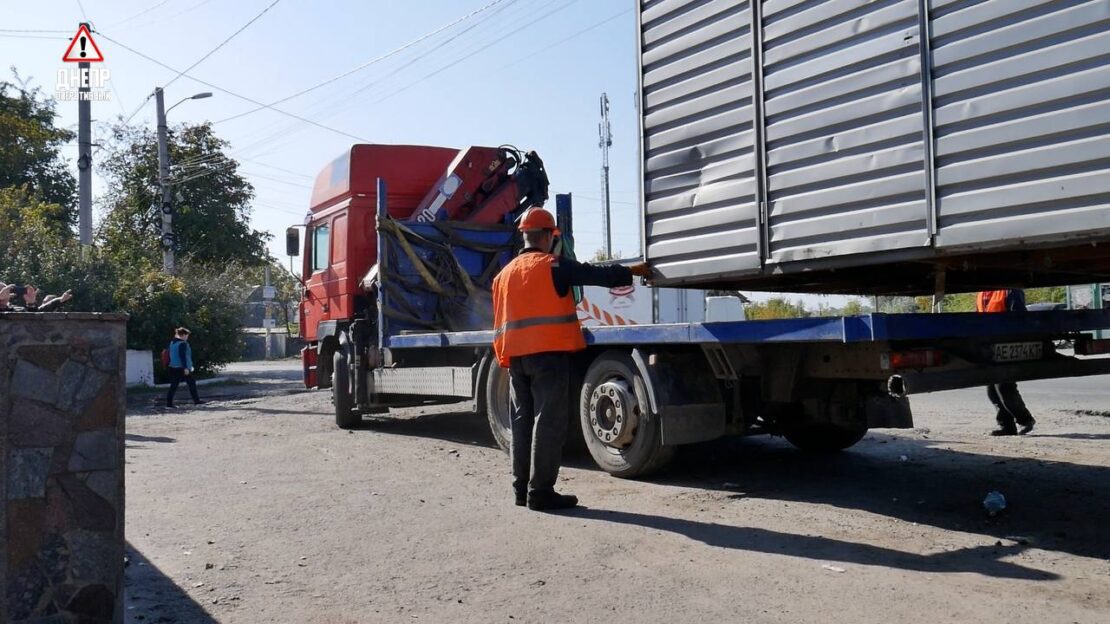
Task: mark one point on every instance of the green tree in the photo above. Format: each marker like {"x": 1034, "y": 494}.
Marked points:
{"x": 776, "y": 308}
{"x": 206, "y": 300}
{"x": 29, "y": 148}
{"x": 36, "y": 247}
{"x": 211, "y": 219}
{"x": 854, "y": 308}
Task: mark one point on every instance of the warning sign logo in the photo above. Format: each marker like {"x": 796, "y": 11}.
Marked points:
{"x": 82, "y": 49}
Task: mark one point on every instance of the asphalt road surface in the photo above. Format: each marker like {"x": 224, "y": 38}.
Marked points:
{"x": 255, "y": 508}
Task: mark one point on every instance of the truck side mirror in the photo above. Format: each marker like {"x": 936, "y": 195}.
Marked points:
{"x": 292, "y": 242}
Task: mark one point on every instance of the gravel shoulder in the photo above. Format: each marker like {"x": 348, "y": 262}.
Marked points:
{"x": 255, "y": 508}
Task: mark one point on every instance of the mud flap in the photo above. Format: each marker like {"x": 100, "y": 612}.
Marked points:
{"x": 887, "y": 412}
{"x": 684, "y": 393}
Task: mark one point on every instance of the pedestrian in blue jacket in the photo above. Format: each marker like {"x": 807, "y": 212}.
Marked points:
{"x": 181, "y": 366}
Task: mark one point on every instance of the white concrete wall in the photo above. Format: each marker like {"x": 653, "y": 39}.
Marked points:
{"x": 140, "y": 368}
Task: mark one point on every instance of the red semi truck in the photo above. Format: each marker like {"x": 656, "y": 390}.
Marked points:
{"x": 403, "y": 242}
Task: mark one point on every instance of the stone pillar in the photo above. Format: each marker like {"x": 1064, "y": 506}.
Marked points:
{"x": 62, "y": 404}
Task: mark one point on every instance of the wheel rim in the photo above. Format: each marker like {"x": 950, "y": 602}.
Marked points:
{"x": 614, "y": 413}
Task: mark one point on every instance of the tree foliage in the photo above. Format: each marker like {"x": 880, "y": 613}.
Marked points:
{"x": 36, "y": 247}
{"x": 205, "y": 300}
{"x": 211, "y": 200}
{"x": 775, "y": 308}
{"x": 30, "y": 145}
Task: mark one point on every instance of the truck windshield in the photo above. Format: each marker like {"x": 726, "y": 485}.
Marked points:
{"x": 320, "y": 239}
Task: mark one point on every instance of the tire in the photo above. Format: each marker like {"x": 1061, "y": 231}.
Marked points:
{"x": 822, "y": 437}
{"x": 498, "y": 410}
{"x": 638, "y": 449}
{"x": 345, "y": 415}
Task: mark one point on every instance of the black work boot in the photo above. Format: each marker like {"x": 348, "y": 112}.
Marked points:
{"x": 543, "y": 501}
{"x": 1005, "y": 431}
{"x": 1027, "y": 427}
{"x": 521, "y": 498}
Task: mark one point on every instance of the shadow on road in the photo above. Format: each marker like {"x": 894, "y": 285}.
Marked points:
{"x": 982, "y": 559}
{"x": 1055, "y": 505}
{"x": 151, "y": 597}
{"x": 134, "y": 437}
{"x": 461, "y": 427}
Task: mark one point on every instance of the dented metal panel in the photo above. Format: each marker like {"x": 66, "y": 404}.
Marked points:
{"x": 792, "y": 144}
{"x": 1022, "y": 121}
{"x": 701, "y": 213}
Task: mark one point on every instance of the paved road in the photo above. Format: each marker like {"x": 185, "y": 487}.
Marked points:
{"x": 257, "y": 509}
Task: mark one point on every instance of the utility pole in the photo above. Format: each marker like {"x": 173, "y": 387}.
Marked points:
{"x": 84, "y": 154}
{"x": 267, "y": 297}
{"x": 605, "y": 142}
{"x": 164, "y": 183}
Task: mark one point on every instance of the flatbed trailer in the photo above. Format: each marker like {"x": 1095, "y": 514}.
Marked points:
{"x": 640, "y": 391}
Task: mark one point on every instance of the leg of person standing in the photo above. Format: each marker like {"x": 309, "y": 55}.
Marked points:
{"x": 550, "y": 376}
{"x": 1015, "y": 406}
{"x": 523, "y": 420}
{"x": 176, "y": 374}
{"x": 192, "y": 383}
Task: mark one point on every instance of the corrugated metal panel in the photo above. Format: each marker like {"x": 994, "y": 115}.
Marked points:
{"x": 701, "y": 212}
{"x": 844, "y": 128}
{"x": 1022, "y": 120}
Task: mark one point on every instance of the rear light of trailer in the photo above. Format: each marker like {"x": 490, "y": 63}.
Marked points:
{"x": 917, "y": 358}
{"x": 1088, "y": 346}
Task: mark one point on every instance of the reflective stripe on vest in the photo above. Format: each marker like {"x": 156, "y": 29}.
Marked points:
{"x": 529, "y": 315}
{"x": 991, "y": 301}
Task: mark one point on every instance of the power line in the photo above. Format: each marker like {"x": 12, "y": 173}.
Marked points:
{"x": 566, "y": 39}
{"x": 332, "y": 108}
{"x": 276, "y": 179}
{"x": 139, "y": 14}
{"x": 375, "y": 60}
{"x": 222, "y": 43}
{"x": 30, "y": 30}
{"x": 232, "y": 93}
{"x": 18, "y": 36}
{"x": 82, "y": 7}
{"x": 499, "y": 38}
{"x": 463, "y": 58}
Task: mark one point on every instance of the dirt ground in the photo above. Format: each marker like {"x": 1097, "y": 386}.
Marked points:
{"x": 255, "y": 508}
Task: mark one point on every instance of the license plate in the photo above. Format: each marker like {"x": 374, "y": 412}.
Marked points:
{"x": 1018, "y": 351}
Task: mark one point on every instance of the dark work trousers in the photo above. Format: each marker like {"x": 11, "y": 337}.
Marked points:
{"x": 1007, "y": 400}
{"x": 177, "y": 375}
{"x": 538, "y": 393}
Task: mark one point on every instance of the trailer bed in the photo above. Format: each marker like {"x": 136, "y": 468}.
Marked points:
{"x": 837, "y": 329}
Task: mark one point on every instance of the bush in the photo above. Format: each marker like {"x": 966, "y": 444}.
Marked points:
{"x": 204, "y": 300}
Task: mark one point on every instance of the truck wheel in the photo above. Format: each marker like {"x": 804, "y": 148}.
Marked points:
{"x": 345, "y": 415}
{"x": 822, "y": 437}
{"x": 621, "y": 432}
{"x": 498, "y": 411}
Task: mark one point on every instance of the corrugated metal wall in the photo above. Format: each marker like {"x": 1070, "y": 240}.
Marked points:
{"x": 1022, "y": 113}
{"x": 844, "y": 127}
{"x": 820, "y": 138}
{"x": 698, "y": 137}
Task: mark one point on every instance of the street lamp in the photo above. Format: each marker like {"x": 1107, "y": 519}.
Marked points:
{"x": 164, "y": 175}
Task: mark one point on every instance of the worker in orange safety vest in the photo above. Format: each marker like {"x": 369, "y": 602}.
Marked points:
{"x": 536, "y": 330}
{"x": 1010, "y": 409}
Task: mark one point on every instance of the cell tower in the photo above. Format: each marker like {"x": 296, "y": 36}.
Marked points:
{"x": 605, "y": 142}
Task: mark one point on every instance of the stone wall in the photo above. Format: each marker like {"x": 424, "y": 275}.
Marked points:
{"x": 62, "y": 405}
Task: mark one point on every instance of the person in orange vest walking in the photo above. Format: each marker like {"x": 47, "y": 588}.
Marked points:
{"x": 1007, "y": 401}
{"x": 536, "y": 330}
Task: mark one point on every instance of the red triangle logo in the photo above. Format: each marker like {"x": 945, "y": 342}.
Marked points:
{"x": 82, "y": 49}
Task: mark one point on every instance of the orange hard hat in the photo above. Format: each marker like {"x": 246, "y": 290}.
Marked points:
{"x": 536, "y": 219}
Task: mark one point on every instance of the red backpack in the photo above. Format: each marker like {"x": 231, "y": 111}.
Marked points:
{"x": 166, "y": 357}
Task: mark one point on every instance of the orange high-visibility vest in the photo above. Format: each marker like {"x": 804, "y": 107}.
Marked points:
{"x": 528, "y": 315}
{"x": 991, "y": 301}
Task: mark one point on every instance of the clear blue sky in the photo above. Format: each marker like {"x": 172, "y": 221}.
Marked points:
{"x": 524, "y": 72}
{"x": 505, "y": 80}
